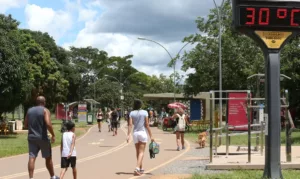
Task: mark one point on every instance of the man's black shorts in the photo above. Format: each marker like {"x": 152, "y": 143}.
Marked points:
{"x": 99, "y": 120}
{"x": 65, "y": 162}
{"x": 114, "y": 124}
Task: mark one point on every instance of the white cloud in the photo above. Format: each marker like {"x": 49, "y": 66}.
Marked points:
{"x": 148, "y": 57}
{"x": 8, "y": 4}
{"x": 116, "y": 29}
{"x": 86, "y": 14}
{"x": 56, "y": 23}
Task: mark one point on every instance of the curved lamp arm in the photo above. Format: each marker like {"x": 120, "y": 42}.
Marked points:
{"x": 140, "y": 38}
{"x": 113, "y": 78}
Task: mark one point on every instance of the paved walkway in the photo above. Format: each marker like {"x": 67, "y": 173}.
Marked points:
{"x": 100, "y": 155}
{"x": 239, "y": 160}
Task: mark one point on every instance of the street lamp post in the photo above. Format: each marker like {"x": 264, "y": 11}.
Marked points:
{"x": 219, "y": 13}
{"x": 122, "y": 87}
{"x": 172, "y": 59}
{"x": 94, "y": 84}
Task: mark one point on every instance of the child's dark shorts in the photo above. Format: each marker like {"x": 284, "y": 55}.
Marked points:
{"x": 65, "y": 162}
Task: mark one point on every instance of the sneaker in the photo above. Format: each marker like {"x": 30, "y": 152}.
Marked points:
{"x": 183, "y": 147}
{"x": 55, "y": 177}
{"x": 136, "y": 172}
{"x": 142, "y": 171}
{"x": 178, "y": 149}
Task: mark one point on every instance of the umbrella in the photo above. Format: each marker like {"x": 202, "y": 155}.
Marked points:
{"x": 176, "y": 105}
{"x": 173, "y": 106}
{"x": 183, "y": 106}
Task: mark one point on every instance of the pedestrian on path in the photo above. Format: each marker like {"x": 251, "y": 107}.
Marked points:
{"x": 108, "y": 119}
{"x": 139, "y": 119}
{"x": 68, "y": 151}
{"x": 99, "y": 118}
{"x": 181, "y": 121}
{"x": 114, "y": 121}
{"x": 37, "y": 121}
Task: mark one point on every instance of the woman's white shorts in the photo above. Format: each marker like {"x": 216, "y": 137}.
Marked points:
{"x": 140, "y": 136}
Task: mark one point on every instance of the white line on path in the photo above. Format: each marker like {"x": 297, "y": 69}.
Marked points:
{"x": 124, "y": 144}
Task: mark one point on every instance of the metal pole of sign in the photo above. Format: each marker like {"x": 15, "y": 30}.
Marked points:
{"x": 273, "y": 147}
{"x": 211, "y": 129}
{"x": 261, "y": 137}
{"x": 249, "y": 125}
{"x": 66, "y": 110}
{"x": 288, "y": 131}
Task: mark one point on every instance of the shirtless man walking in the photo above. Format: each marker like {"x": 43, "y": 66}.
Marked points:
{"x": 38, "y": 122}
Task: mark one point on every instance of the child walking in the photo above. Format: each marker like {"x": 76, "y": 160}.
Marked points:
{"x": 68, "y": 151}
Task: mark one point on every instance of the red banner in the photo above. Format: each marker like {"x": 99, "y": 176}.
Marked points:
{"x": 60, "y": 112}
{"x": 237, "y": 111}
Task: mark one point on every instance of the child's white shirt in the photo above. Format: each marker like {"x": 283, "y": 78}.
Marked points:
{"x": 67, "y": 143}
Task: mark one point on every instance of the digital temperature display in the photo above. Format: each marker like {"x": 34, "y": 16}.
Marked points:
{"x": 259, "y": 17}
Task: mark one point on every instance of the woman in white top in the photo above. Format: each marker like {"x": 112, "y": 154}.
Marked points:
{"x": 181, "y": 121}
{"x": 139, "y": 118}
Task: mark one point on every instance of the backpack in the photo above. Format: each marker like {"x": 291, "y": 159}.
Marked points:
{"x": 181, "y": 123}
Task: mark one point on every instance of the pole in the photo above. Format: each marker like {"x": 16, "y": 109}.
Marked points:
{"x": 249, "y": 125}
{"x": 219, "y": 12}
{"x": 172, "y": 59}
{"x": 121, "y": 98}
{"x": 210, "y": 129}
{"x": 272, "y": 153}
{"x": 257, "y": 111}
{"x": 95, "y": 100}
{"x": 174, "y": 88}
{"x": 288, "y": 148}
{"x": 227, "y": 129}
{"x": 261, "y": 137}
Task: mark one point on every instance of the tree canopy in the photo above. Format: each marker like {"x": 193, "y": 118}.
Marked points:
{"x": 33, "y": 64}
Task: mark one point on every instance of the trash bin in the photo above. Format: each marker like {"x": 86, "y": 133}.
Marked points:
{"x": 11, "y": 126}
{"x": 90, "y": 118}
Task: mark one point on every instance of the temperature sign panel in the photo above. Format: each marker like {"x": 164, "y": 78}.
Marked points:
{"x": 260, "y": 17}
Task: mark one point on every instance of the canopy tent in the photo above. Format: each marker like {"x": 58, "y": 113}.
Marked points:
{"x": 92, "y": 102}
{"x": 203, "y": 96}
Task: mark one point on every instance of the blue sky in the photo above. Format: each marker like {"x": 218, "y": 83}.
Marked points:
{"x": 56, "y": 5}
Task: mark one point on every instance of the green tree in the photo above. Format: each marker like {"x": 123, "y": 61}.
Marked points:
{"x": 241, "y": 57}
{"x": 45, "y": 78}
{"x": 13, "y": 73}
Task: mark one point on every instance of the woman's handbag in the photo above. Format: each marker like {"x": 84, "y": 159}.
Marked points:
{"x": 153, "y": 149}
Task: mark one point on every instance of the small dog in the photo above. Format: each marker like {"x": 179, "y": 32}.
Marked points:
{"x": 202, "y": 139}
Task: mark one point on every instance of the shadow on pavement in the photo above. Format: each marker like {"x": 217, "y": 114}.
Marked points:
{"x": 106, "y": 146}
{"x": 130, "y": 173}
{"x": 171, "y": 150}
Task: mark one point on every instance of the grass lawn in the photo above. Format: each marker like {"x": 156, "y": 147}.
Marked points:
{"x": 244, "y": 174}
{"x": 15, "y": 144}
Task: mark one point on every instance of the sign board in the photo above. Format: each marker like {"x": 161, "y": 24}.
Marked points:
{"x": 271, "y": 24}
{"x": 82, "y": 112}
{"x": 82, "y": 107}
{"x": 272, "y": 15}
{"x": 82, "y": 116}
{"x": 90, "y": 118}
{"x": 237, "y": 110}
{"x": 261, "y": 114}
